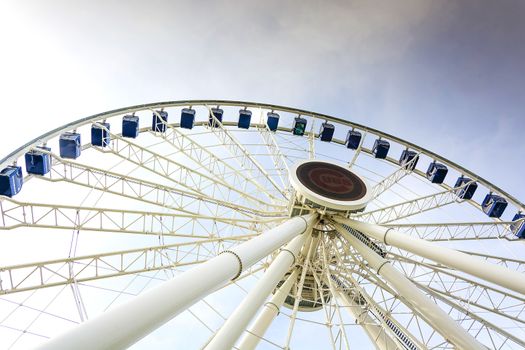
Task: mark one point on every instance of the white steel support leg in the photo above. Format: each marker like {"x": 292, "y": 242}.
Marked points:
{"x": 436, "y": 317}
{"x": 127, "y": 323}
{"x": 269, "y": 312}
{"x": 375, "y": 332}
{"x": 230, "y": 331}
{"x": 472, "y": 265}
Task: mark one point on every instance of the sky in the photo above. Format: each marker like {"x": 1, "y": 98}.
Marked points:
{"x": 446, "y": 75}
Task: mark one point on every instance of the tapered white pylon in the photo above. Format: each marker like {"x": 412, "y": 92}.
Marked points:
{"x": 270, "y": 310}
{"x": 230, "y": 331}
{"x": 122, "y": 326}
{"x": 415, "y": 299}
{"x": 474, "y": 266}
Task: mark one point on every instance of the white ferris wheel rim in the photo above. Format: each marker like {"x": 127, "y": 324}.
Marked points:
{"x": 267, "y": 211}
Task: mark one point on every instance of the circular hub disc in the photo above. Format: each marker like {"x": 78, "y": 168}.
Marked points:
{"x": 329, "y": 185}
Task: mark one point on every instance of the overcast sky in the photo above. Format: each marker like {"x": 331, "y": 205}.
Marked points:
{"x": 448, "y": 75}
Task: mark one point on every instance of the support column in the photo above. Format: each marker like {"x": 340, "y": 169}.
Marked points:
{"x": 496, "y": 274}
{"x": 269, "y": 312}
{"x": 415, "y": 299}
{"x": 125, "y": 324}
{"x": 230, "y": 331}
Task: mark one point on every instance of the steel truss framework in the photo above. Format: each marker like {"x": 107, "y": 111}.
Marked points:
{"x": 201, "y": 227}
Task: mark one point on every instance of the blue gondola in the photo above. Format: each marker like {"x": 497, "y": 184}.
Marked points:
{"x": 437, "y": 172}
{"x": 353, "y": 139}
{"x": 518, "y": 228}
{"x": 326, "y": 133}
{"x": 299, "y": 126}
{"x": 272, "y": 121}
{"x": 380, "y": 149}
{"x": 245, "y": 118}
{"x": 494, "y": 205}
{"x": 466, "y": 192}
{"x": 11, "y": 181}
{"x": 130, "y": 126}
{"x": 160, "y": 118}
{"x": 217, "y": 113}
{"x": 406, "y": 157}
{"x": 38, "y": 162}
{"x": 187, "y": 118}
{"x": 69, "y": 144}
{"x": 99, "y": 135}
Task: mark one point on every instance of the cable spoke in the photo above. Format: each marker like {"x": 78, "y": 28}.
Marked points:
{"x": 328, "y": 282}
{"x": 175, "y": 172}
{"x": 279, "y": 160}
{"x": 246, "y": 159}
{"x": 143, "y": 190}
{"x": 207, "y": 160}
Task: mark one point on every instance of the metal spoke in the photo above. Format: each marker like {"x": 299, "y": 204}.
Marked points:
{"x": 390, "y": 180}
{"x": 18, "y": 214}
{"x": 409, "y": 208}
{"x": 416, "y": 300}
{"x": 459, "y": 231}
{"x": 469, "y": 319}
{"x": 18, "y": 278}
{"x": 472, "y": 316}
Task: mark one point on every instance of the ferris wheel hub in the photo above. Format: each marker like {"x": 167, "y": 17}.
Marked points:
{"x": 329, "y": 186}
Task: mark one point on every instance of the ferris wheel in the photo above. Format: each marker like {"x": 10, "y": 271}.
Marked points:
{"x": 228, "y": 224}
